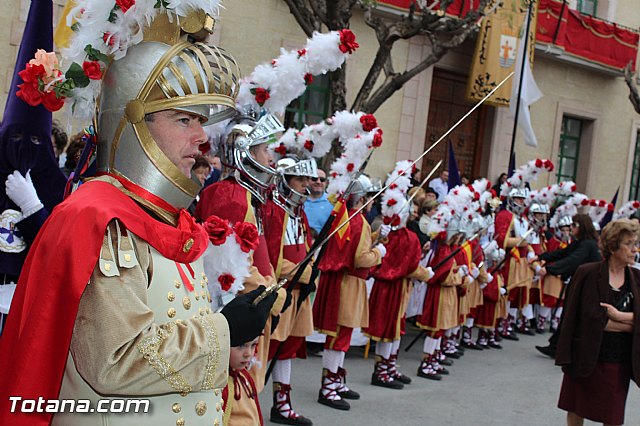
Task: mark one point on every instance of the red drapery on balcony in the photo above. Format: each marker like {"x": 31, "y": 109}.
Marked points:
{"x": 583, "y": 36}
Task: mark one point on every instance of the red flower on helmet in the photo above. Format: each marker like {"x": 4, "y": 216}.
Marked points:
{"x": 308, "y": 79}
{"x": 281, "y": 149}
{"x": 392, "y": 202}
{"x": 377, "y": 139}
{"x": 348, "y": 42}
{"x": 225, "y": 281}
{"x": 350, "y": 167}
{"x": 393, "y": 186}
{"x": 308, "y": 145}
{"x": 585, "y": 202}
{"x": 261, "y": 95}
{"x": 369, "y": 122}
{"x": 610, "y": 207}
{"x": 125, "y": 4}
{"x": 92, "y": 70}
{"x": 539, "y": 163}
{"x": 636, "y": 204}
{"x": 302, "y": 52}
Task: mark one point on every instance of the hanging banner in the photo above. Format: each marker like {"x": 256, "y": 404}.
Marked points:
{"x": 496, "y": 50}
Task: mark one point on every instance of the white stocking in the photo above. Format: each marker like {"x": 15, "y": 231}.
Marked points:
{"x": 395, "y": 347}
{"x": 331, "y": 360}
{"x": 383, "y": 349}
{"x": 430, "y": 345}
{"x": 282, "y": 371}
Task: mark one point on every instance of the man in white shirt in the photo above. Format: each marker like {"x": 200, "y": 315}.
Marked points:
{"x": 440, "y": 185}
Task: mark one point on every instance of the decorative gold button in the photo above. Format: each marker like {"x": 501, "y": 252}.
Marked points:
{"x": 201, "y": 408}
{"x": 171, "y": 313}
{"x": 177, "y": 284}
{"x": 127, "y": 257}
{"x": 196, "y": 295}
{"x": 186, "y": 302}
{"x": 180, "y": 422}
{"x": 187, "y": 245}
{"x": 107, "y": 267}
{"x": 203, "y": 295}
{"x": 171, "y": 297}
{"x": 176, "y": 408}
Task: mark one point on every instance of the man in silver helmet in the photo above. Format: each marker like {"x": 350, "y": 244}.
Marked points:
{"x": 125, "y": 310}
{"x": 289, "y": 239}
{"x": 511, "y": 228}
{"x": 241, "y": 197}
{"x": 538, "y": 215}
{"x": 341, "y": 302}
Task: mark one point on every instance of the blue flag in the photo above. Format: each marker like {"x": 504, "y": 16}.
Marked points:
{"x": 454, "y": 174}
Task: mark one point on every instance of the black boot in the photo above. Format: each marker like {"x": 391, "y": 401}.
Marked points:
{"x": 328, "y": 394}
{"x": 282, "y": 410}
{"x": 381, "y": 376}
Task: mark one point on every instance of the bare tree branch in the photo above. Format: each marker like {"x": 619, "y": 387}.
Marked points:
{"x": 303, "y": 16}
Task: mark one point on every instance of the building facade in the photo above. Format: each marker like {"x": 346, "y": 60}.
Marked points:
{"x": 584, "y": 122}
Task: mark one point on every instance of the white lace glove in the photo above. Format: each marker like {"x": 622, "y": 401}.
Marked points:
{"x": 475, "y": 272}
{"x": 530, "y": 256}
{"x": 430, "y": 273}
{"x": 23, "y": 193}
{"x": 384, "y": 230}
{"x": 489, "y": 278}
{"x": 503, "y": 291}
{"x": 382, "y": 249}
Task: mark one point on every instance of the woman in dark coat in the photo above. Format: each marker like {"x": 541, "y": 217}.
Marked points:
{"x": 599, "y": 345}
{"x": 564, "y": 263}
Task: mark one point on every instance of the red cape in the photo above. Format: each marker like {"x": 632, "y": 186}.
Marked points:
{"x": 35, "y": 343}
{"x": 403, "y": 256}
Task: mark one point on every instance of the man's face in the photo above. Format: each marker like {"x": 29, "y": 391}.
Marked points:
{"x": 178, "y": 135}
{"x": 299, "y": 183}
{"x": 318, "y": 184}
{"x": 215, "y": 163}
{"x": 261, "y": 154}
{"x": 430, "y": 196}
{"x": 519, "y": 201}
{"x": 444, "y": 176}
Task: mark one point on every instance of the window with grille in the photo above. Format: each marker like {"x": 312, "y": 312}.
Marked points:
{"x": 569, "y": 148}
{"x": 311, "y": 107}
{"x": 588, "y": 7}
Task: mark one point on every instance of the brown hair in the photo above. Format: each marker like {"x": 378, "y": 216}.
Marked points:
{"x": 586, "y": 231}
{"x": 74, "y": 150}
{"x": 201, "y": 161}
{"x": 428, "y": 205}
{"x": 614, "y": 232}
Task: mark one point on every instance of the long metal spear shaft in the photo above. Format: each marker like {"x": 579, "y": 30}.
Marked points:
{"x": 283, "y": 281}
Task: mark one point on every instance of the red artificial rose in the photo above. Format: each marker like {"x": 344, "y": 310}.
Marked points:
{"x": 610, "y": 207}
{"x": 549, "y": 166}
{"x": 281, "y": 149}
{"x": 369, "y": 122}
{"x": 92, "y": 70}
{"x": 602, "y": 203}
{"x": 539, "y": 163}
{"x": 348, "y": 42}
{"x": 308, "y": 79}
{"x": 218, "y": 229}
{"x": 125, "y": 4}
{"x": 52, "y": 102}
{"x": 32, "y": 73}
{"x": 302, "y": 52}
{"x": 391, "y": 202}
{"x": 308, "y": 145}
{"x": 636, "y": 204}
{"x": 377, "y": 139}
{"x": 334, "y": 175}
{"x": 29, "y": 93}
{"x": 494, "y": 194}
{"x": 393, "y": 186}
{"x": 573, "y": 188}
{"x": 261, "y": 95}
{"x": 108, "y": 39}
{"x": 584, "y": 202}
{"x": 350, "y": 167}
{"x": 246, "y": 236}
{"x": 225, "y": 281}
{"x": 476, "y": 196}
{"x": 592, "y": 203}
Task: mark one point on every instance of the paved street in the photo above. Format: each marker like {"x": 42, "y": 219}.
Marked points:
{"x": 513, "y": 386}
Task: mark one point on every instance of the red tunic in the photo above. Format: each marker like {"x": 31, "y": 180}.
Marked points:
{"x": 391, "y": 289}
{"x": 36, "y": 339}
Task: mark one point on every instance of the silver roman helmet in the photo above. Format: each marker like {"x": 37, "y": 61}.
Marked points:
{"x": 247, "y": 132}
{"x": 538, "y": 208}
{"x": 284, "y": 195}
{"x": 166, "y": 71}
{"x": 516, "y": 193}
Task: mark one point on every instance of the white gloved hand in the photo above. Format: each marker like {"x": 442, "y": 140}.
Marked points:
{"x": 463, "y": 271}
{"x": 384, "y": 230}
{"x": 489, "y": 278}
{"x": 482, "y": 286}
{"x": 430, "y": 273}
{"x": 501, "y": 255}
{"x": 531, "y": 256}
{"x": 475, "y": 272}
{"x": 491, "y": 247}
{"x": 23, "y": 193}
{"x": 503, "y": 291}
{"x": 537, "y": 269}
{"x": 382, "y": 249}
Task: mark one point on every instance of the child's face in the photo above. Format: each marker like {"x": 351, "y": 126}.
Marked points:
{"x": 240, "y": 356}
{"x": 202, "y": 173}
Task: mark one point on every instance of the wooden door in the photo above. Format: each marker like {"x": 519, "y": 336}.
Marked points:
{"x": 446, "y": 106}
